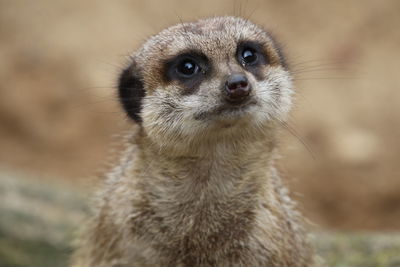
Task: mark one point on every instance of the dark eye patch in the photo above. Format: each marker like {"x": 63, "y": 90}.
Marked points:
{"x": 252, "y": 56}
{"x": 189, "y": 69}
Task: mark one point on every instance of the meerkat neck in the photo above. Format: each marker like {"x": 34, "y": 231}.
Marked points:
{"x": 219, "y": 173}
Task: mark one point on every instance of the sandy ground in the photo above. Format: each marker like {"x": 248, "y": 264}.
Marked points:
{"x": 59, "y": 116}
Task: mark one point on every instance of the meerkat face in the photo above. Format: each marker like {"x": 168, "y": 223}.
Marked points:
{"x": 207, "y": 79}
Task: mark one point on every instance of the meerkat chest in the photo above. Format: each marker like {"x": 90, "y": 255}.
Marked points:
{"x": 197, "y": 232}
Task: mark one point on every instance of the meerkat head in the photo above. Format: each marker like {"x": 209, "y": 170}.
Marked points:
{"x": 213, "y": 79}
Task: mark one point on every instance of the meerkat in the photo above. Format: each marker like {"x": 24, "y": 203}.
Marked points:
{"x": 196, "y": 185}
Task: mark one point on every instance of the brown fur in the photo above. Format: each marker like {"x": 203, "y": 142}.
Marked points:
{"x": 200, "y": 191}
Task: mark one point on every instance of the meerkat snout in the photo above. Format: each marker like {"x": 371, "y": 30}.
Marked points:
{"x": 237, "y": 88}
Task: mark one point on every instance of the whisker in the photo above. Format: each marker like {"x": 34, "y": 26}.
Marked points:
{"x": 294, "y": 133}
{"x": 252, "y": 12}
{"x": 325, "y": 78}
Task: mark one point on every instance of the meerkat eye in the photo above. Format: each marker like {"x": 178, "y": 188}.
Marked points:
{"x": 187, "y": 68}
{"x": 249, "y": 56}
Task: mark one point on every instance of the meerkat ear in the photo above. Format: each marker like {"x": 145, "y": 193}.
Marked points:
{"x": 131, "y": 91}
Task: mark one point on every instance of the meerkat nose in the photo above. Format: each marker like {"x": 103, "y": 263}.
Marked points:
{"x": 237, "y": 87}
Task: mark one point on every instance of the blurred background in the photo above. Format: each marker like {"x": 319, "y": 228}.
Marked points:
{"x": 59, "y": 118}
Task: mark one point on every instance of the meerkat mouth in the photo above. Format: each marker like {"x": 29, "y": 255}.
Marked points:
{"x": 230, "y": 109}
{"x": 233, "y": 107}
